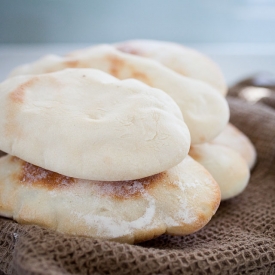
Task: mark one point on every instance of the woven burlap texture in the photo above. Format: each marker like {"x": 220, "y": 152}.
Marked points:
{"x": 240, "y": 239}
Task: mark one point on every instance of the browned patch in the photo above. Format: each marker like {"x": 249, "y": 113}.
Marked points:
{"x": 15, "y": 159}
{"x": 122, "y": 190}
{"x": 126, "y": 48}
{"x": 71, "y": 63}
{"x": 34, "y": 175}
{"x": 15, "y": 100}
{"x": 116, "y": 65}
{"x": 18, "y": 94}
{"x": 142, "y": 77}
{"x": 194, "y": 153}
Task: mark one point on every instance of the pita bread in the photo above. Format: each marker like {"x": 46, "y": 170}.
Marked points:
{"x": 84, "y": 123}
{"x": 183, "y": 60}
{"x": 226, "y": 166}
{"x": 179, "y": 201}
{"x": 238, "y": 141}
{"x": 205, "y": 112}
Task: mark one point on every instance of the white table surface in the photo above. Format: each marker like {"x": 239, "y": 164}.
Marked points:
{"x": 236, "y": 60}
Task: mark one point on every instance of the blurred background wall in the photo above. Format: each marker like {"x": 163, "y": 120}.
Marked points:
{"x": 96, "y": 21}
{"x": 238, "y": 34}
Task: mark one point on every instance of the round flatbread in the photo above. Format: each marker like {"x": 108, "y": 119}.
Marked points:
{"x": 84, "y": 123}
{"x": 205, "y": 111}
{"x": 183, "y": 60}
{"x": 226, "y": 166}
{"x": 178, "y": 201}
{"x": 232, "y": 137}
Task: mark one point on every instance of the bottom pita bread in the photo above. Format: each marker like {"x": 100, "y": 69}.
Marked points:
{"x": 178, "y": 201}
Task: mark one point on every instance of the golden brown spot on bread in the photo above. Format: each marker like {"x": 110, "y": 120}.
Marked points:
{"x": 142, "y": 77}
{"x": 117, "y": 66}
{"x": 15, "y": 101}
{"x": 122, "y": 190}
{"x": 126, "y": 48}
{"x": 18, "y": 94}
{"x": 15, "y": 159}
{"x": 34, "y": 175}
{"x": 71, "y": 63}
{"x": 76, "y": 63}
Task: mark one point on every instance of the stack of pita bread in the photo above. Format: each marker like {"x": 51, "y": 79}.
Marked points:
{"x": 98, "y": 142}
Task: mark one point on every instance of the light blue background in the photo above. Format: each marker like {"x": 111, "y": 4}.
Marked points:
{"x": 97, "y": 21}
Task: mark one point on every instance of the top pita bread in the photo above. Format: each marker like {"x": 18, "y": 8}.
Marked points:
{"x": 205, "y": 111}
{"x": 181, "y": 59}
{"x": 84, "y": 123}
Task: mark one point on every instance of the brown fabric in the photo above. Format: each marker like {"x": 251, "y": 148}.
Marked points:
{"x": 1, "y": 155}
{"x": 260, "y": 80}
{"x": 240, "y": 239}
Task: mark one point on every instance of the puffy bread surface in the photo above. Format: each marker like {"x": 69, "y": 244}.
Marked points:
{"x": 87, "y": 124}
{"x": 205, "y": 111}
{"x": 227, "y": 167}
{"x": 234, "y": 138}
{"x": 181, "y": 59}
{"x": 179, "y": 201}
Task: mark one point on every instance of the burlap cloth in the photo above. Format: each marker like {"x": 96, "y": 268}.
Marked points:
{"x": 240, "y": 239}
